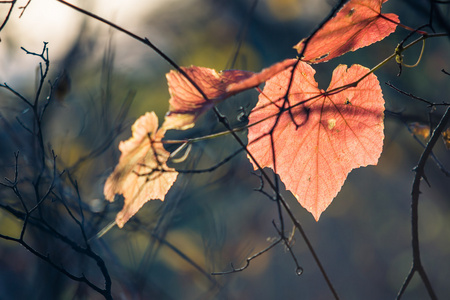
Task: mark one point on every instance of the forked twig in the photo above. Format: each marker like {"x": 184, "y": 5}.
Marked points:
{"x": 43, "y": 181}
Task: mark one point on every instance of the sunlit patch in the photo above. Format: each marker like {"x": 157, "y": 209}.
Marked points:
{"x": 331, "y": 123}
{"x": 285, "y": 9}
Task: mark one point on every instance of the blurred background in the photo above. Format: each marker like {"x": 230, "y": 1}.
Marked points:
{"x": 104, "y": 80}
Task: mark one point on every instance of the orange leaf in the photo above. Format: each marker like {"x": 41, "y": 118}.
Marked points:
{"x": 187, "y": 103}
{"x": 358, "y": 24}
{"x": 142, "y": 173}
{"x": 332, "y": 134}
{"x": 260, "y": 77}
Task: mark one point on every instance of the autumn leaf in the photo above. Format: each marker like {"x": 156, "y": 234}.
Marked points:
{"x": 324, "y": 135}
{"x": 142, "y": 173}
{"x": 260, "y": 77}
{"x": 187, "y": 103}
{"x": 358, "y": 24}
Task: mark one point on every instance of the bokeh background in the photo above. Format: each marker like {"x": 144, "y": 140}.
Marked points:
{"x": 210, "y": 220}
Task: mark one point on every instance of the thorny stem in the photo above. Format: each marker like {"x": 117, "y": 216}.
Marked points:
{"x": 420, "y": 173}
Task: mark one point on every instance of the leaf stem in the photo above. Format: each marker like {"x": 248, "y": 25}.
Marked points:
{"x": 402, "y": 25}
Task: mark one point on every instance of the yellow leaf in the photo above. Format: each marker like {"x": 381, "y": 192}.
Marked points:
{"x": 141, "y": 174}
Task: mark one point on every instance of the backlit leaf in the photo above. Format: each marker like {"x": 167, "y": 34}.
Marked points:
{"x": 332, "y": 133}
{"x": 141, "y": 174}
{"x": 358, "y": 24}
{"x": 187, "y": 103}
{"x": 260, "y": 77}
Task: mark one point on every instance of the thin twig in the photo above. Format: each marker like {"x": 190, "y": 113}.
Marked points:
{"x": 429, "y": 103}
{"x": 249, "y": 259}
{"x": 23, "y": 8}
{"x": 13, "y": 2}
{"x": 184, "y": 256}
{"x": 41, "y": 191}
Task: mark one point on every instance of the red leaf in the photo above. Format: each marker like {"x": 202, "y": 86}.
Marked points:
{"x": 332, "y": 134}
{"x": 187, "y": 103}
{"x": 261, "y": 77}
{"x": 142, "y": 173}
{"x": 358, "y": 24}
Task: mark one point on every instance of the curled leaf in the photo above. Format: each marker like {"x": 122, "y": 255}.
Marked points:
{"x": 261, "y": 77}
{"x": 187, "y": 103}
{"x": 318, "y": 137}
{"x": 141, "y": 174}
{"x": 358, "y": 24}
